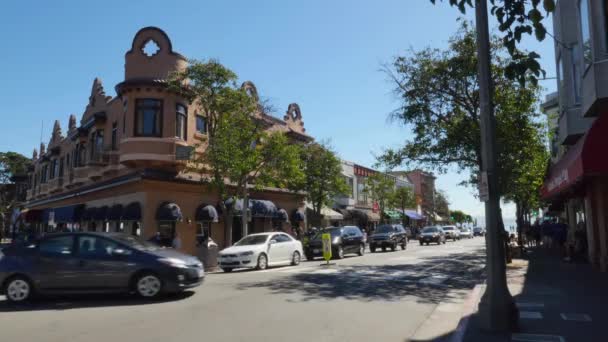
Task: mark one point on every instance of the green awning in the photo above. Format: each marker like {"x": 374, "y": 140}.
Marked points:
{"x": 392, "y": 214}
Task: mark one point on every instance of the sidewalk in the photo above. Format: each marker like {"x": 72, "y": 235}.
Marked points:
{"x": 557, "y": 301}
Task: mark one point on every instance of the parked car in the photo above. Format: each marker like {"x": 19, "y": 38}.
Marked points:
{"x": 432, "y": 234}
{"x": 260, "y": 251}
{"x": 478, "y": 231}
{"x": 451, "y": 232}
{"x": 388, "y": 236}
{"x": 465, "y": 233}
{"x": 344, "y": 240}
{"x": 94, "y": 262}
{"x": 408, "y": 233}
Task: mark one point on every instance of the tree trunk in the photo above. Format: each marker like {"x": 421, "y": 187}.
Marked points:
{"x": 520, "y": 222}
{"x": 228, "y": 218}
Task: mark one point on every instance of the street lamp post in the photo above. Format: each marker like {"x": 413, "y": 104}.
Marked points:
{"x": 497, "y": 309}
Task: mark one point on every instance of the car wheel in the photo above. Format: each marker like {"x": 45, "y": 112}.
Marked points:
{"x": 295, "y": 259}
{"x": 262, "y": 262}
{"x": 394, "y": 247}
{"x": 148, "y": 285}
{"x": 18, "y": 289}
{"x": 384, "y": 249}
{"x": 340, "y": 253}
{"x": 227, "y": 270}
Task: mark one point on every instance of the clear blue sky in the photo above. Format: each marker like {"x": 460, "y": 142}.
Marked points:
{"x": 324, "y": 55}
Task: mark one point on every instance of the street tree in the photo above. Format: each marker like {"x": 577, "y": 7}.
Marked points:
{"x": 11, "y": 164}
{"x": 439, "y": 96}
{"x": 458, "y": 216}
{"x": 238, "y": 154}
{"x": 403, "y": 198}
{"x": 517, "y": 18}
{"x": 323, "y": 178}
{"x": 380, "y": 188}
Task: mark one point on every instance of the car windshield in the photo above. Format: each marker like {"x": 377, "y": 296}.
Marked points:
{"x": 385, "y": 229}
{"x": 252, "y": 240}
{"x": 448, "y": 228}
{"x": 477, "y": 229}
{"x": 430, "y": 230}
{"x": 337, "y": 231}
{"x": 133, "y": 242}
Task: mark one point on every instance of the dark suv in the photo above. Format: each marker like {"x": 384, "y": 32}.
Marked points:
{"x": 388, "y": 236}
{"x": 94, "y": 262}
{"x": 344, "y": 240}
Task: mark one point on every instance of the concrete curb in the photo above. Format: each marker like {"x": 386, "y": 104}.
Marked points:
{"x": 470, "y": 306}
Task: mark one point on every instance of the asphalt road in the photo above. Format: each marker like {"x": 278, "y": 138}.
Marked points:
{"x": 390, "y": 296}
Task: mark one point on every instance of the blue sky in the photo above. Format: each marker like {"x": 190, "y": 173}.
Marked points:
{"x": 324, "y": 55}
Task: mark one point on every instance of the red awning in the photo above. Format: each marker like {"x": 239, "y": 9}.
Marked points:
{"x": 586, "y": 158}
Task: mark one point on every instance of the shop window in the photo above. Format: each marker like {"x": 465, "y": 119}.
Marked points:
{"x": 203, "y": 231}
{"x": 166, "y": 230}
{"x": 201, "y": 124}
{"x": 181, "y": 115}
{"x": 148, "y": 117}
{"x": 60, "y": 173}
{"x": 583, "y": 8}
{"x": 114, "y": 136}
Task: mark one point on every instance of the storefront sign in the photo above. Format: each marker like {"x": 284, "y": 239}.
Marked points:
{"x": 326, "y": 239}
{"x": 484, "y": 189}
{"x": 183, "y": 152}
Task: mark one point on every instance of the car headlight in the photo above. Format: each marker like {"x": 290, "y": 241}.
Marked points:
{"x": 173, "y": 262}
{"x": 246, "y": 253}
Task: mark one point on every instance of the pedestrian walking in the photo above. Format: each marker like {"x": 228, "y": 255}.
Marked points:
{"x": 177, "y": 241}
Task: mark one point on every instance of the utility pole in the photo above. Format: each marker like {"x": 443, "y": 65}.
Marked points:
{"x": 497, "y": 309}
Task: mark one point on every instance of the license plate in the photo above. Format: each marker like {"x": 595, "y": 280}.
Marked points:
{"x": 316, "y": 251}
{"x": 201, "y": 273}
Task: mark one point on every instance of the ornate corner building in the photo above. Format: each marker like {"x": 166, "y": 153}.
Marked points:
{"x": 121, "y": 167}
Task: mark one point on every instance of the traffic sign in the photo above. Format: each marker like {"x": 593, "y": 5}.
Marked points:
{"x": 326, "y": 239}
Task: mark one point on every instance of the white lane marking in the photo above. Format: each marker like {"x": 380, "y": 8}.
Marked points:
{"x": 530, "y": 315}
{"x": 536, "y": 338}
{"x": 576, "y": 317}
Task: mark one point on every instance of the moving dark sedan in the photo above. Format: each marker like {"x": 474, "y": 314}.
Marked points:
{"x": 432, "y": 234}
{"x": 344, "y": 240}
{"x": 388, "y": 236}
{"x": 94, "y": 263}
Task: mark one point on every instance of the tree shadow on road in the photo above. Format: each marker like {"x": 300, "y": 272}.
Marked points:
{"x": 67, "y": 302}
{"x": 430, "y": 280}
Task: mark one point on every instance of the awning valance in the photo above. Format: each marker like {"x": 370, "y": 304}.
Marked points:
{"x": 327, "y": 213}
{"x": 169, "y": 211}
{"x": 115, "y": 213}
{"x": 132, "y": 212}
{"x": 414, "y": 215}
{"x": 298, "y": 216}
{"x": 258, "y": 208}
{"x": 88, "y": 214}
{"x": 392, "y": 214}
{"x": 71, "y": 213}
{"x": 101, "y": 213}
{"x": 282, "y": 215}
{"x": 585, "y": 158}
{"x": 206, "y": 213}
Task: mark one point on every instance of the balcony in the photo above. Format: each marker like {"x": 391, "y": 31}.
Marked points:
{"x": 80, "y": 175}
{"x": 112, "y": 162}
{"x": 55, "y": 184}
{"x": 44, "y": 189}
{"x": 345, "y": 201}
{"x": 594, "y": 90}
{"x": 156, "y": 153}
{"x": 572, "y": 126}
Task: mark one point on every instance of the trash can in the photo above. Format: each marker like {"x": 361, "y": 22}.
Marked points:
{"x": 208, "y": 251}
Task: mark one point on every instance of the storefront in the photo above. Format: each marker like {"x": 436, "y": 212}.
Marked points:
{"x": 578, "y": 183}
